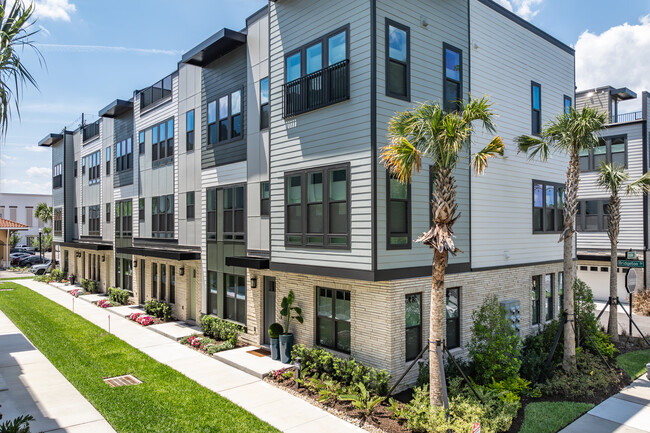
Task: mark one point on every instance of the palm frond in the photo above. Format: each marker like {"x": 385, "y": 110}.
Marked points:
{"x": 611, "y": 177}
{"x": 402, "y": 158}
{"x": 533, "y": 147}
{"x": 639, "y": 186}
{"x": 480, "y": 159}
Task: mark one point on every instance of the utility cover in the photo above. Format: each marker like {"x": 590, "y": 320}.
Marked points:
{"x": 122, "y": 380}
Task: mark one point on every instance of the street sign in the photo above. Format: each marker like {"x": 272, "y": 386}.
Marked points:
{"x": 630, "y": 255}
{"x": 630, "y": 263}
{"x": 630, "y": 280}
{"x": 476, "y": 428}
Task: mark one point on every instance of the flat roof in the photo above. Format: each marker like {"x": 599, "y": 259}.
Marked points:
{"x": 50, "y": 139}
{"x": 216, "y": 46}
{"x": 116, "y": 108}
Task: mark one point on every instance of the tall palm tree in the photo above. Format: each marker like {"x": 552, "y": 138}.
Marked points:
{"x": 445, "y": 137}
{"x": 15, "y": 34}
{"x": 570, "y": 133}
{"x": 612, "y": 177}
{"x": 44, "y": 213}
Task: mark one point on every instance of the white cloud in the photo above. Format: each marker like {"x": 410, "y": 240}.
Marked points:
{"x": 526, "y": 9}
{"x": 54, "y": 9}
{"x": 36, "y": 149}
{"x": 25, "y": 186}
{"x": 105, "y": 48}
{"x": 616, "y": 57}
{"x": 39, "y": 171}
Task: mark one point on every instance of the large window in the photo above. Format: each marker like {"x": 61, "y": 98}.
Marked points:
{"x": 264, "y": 103}
{"x": 452, "y": 316}
{"x": 333, "y": 319}
{"x": 608, "y": 149}
{"x": 265, "y": 199}
{"x": 453, "y": 89}
{"x": 233, "y": 213}
{"x": 94, "y": 164}
{"x": 161, "y": 90}
{"x": 548, "y": 207}
{"x": 399, "y": 213}
{"x": 212, "y": 122}
{"x": 172, "y": 284}
{"x": 162, "y": 216}
{"x": 398, "y": 62}
{"x": 123, "y": 218}
{"x": 211, "y": 214}
{"x": 94, "y": 215}
{"x": 162, "y": 144}
{"x": 57, "y": 176}
{"x": 548, "y": 292}
{"x": 189, "y": 130}
{"x": 317, "y": 207}
{"x": 235, "y": 302}
{"x": 413, "y": 325}
{"x": 123, "y": 155}
{"x": 536, "y": 108}
{"x": 58, "y": 221}
{"x": 317, "y": 74}
{"x": 189, "y": 205}
{"x": 535, "y": 296}
{"x": 108, "y": 161}
{"x": 592, "y": 215}
{"x": 225, "y": 118}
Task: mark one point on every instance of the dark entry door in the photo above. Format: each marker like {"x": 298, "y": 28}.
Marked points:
{"x": 269, "y": 306}
{"x": 141, "y": 281}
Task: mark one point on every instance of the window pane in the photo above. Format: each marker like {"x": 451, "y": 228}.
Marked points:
{"x": 315, "y": 187}
{"x": 398, "y": 217}
{"x": 325, "y": 302}
{"x": 189, "y": 121}
{"x": 536, "y": 97}
{"x": 314, "y": 58}
{"x": 239, "y": 197}
{"x": 413, "y": 310}
{"x": 235, "y": 102}
{"x": 550, "y": 196}
{"x": 452, "y": 95}
{"x": 293, "y": 189}
{"x": 618, "y": 145}
{"x": 170, "y": 128}
{"x": 223, "y": 107}
{"x": 538, "y": 197}
{"x": 338, "y": 218}
{"x": 338, "y": 184}
{"x": 452, "y": 64}
{"x": 343, "y": 336}
{"x": 236, "y": 125}
{"x": 397, "y": 81}
{"x": 396, "y": 43}
{"x": 293, "y": 67}
{"x": 325, "y": 332}
{"x": 413, "y": 342}
{"x": 315, "y": 218}
{"x": 336, "y": 48}
{"x": 584, "y": 163}
{"x": 342, "y": 306}
{"x": 451, "y": 304}
{"x": 223, "y": 129}
{"x": 264, "y": 91}
{"x": 294, "y": 219}
{"x": 212, "y": 112}
{"x": 618, "y": 159}
{"x": 398, "y": 190}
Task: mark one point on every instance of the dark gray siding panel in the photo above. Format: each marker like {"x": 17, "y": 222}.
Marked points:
{"x": 221, "y": 77}
{"x": 123, "y": 129}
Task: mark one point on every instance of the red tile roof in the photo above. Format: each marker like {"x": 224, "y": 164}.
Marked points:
{"x": 8, "y": 224}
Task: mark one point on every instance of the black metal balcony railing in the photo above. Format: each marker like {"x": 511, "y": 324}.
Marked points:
{"x": 627, "y": 117}
{"x": 91, "y": 130}
{"x": 318, "y": 89}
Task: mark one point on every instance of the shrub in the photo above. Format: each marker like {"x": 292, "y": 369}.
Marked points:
{"x": 316, "y": 361}
{"x": 84, "y": 284}
{"x": 536, "y": 350}
{"x": 362, "y": 399}
{"x": 275, "y": 330}
{"x": 58, "y": 275}
{"x": 220, "y": 329}
{"x": 104, "y": 303}
{"x": 451, "y": 371}
{"x": 226, "y": 345}
{"x": 159, "y": 309}
{"x": 118, "y": 295}
{"x": 495, "y": 346}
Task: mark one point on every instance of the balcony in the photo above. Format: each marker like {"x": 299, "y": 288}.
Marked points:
{"x": 91, "y": 130}
{"x": 318, "y": 89}
{"x": 627, "y": 117}
{"x": 161, "y": 90}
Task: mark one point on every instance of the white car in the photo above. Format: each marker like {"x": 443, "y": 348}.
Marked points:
{"x": 41, "y": 269}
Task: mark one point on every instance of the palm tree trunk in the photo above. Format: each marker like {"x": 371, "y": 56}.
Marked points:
{"x": 614, "y": 221}
{"x": 570, "y": 210}
{"x": 436, "y": 319}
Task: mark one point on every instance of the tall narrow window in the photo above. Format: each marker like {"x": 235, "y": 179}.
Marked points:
{"x": 452, "y": 315}
{"x": 548, "y": 292}
{"x": 536, "y": 108}
{"x": 57, "y": 176}
{"x": 223, "y": 118}
{"x": 108, "y": 212}
{"x": 264, "y": 103}
{"x": 108, "y": 160}
{"x": 235, "y": 302}
{"x": 189, "y": 130}
{"x": 163, "y": 282}
{"x": 265, "y": 199}
{"x": 567, "y": 104}
{"x": 333, "y": 319}
{"x": 75, "y": 168}
{"x": 535, "y": 299}
{"x": 170, "y": 138}
{"x": 233, "y": 213}
{"x": 83, "y": 215}
{"x": 293, "y": 67}
{"x": 162, "y": 140}
{"x": 398, "y": 60}
{"x": 294, "y": 209}
{"x": 617, "y": 151}
{"x": 189, "y": 205}
{"x": 141, "y": 142}
{"x": 235, "y": 114}
{"x": 399, "y": 218}
{"x": 453, "y": 78}
{"x": 548, "y": 207}
{"x": 212, "y": 122}
{"x": 560, "y": 293}
{"x": 118, "y": 219}
{"x": 211, "y": 214}
{"x": 172, "y": 284}
{"x": 154, "y": 280}
{"x": 141, "y": 210}
{"x": 413, "y": 325}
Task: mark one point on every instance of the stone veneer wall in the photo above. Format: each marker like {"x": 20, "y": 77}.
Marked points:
{"x": 76, "y": 264}
{"x": 378, "y": 308}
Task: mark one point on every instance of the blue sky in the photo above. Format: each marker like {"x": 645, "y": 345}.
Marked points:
{"x": 96, "y": 51}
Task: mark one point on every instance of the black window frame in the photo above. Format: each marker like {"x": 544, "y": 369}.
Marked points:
{"x": 535, "y": 112}
{"x": 166, "y": 217}
{"x": 57, "y": 221}
{"x": 94, "y": 167}
{"x": 265, "y": 199}
{"x": 189, "y": 207}
{"x": 108, "y": 212}
{"x": 446, "y": 102}
{"x": 57, "y": 176}
{"x": 148, "y": 97}
{"x": 94, "y": 218}
{"x": 142, "y": 142}
{"x": 389, "y": 199}
{"x": 601, "y": 215}
{"x": 333, "y": 319}
{"x": 189, "y": 133}
{"x": 452, "y": 322}
{"x": 264, "y": 106}
{"x": 123, "y": 160}
{"x": 558, "y": 212}
{"x": 237, "y": 302}
{"x": 172, "y": 284}
{"x": 536, "y": 303}
{"x": 75, "y": 168}
{"x": 108, "y": 160}
{"x": 391, "y": 23}
{"x": 123, "y": 219}
{"x": 154, "y": 280}
{"x": 141, "y": 209}
{"x": 304, "y": 234}
{"x": 229, "y": 119}
{"x": 83, "y": 215}
{"x": 211, "y": 214}
{"x": 591, "y": 164}
{"x": 167, "y": 143}
{"x": 407, "y": 328}
{"x": 231, "y": 214}
{"x": 548, "y": 297}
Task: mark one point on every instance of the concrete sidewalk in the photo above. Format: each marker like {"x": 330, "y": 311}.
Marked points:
{"x": 628, "y": 411}
{"x": 31, "y": 385}
{"x": 271, "y": 404}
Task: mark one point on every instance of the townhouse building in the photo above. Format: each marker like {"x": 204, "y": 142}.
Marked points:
{"x": 257, "y": 172}
{"x": 20, "y": 208}
{"x": 624, "y": 141}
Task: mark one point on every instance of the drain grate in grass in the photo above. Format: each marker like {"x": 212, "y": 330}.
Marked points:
{"x": 125, "y": 380}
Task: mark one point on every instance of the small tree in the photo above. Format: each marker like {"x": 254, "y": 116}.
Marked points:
{"x": 14, "y": 238}
{"x": 495, "y": 346}
{"x": 289, "y": 312}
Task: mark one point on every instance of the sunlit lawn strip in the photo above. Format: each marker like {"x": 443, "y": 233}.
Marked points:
{"x": 551, "y": 416}
{"x": 634, "y": 363}
{"x": 166, "y": 401}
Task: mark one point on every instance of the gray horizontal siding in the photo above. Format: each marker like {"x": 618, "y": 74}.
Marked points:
{"x": 123, "y": 129}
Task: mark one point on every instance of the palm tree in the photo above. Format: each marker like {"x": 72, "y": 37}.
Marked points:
{"x": 444, "y": 137}
{"x": 15, "y": 35}
{"x": 44, "y": 213}
{"x": 570, "y": 133}
{"x": 611, "y": 178}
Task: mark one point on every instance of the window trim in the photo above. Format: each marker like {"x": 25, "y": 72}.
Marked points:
{"x": 409, "y": 225}
{"x": 187, "y": 205}
{"x": 234, "y": 234}
{"x": 445, "y": 47}
{"x": 303, "y": 204}
{"x": 230, "y": 138}
{"x": 262, "y": 199}
{"x": 608, "y": 152}
{"x": 532, "y": 203}
{"x": 120, "y": 160}
{"x": 189, "y": 148}
{"x": 581, "y": 215}
{"x": 406, "y": 328}
{"x": 534, "y": 84}
{"x": 333, "y": 319}
{"x": 389, "y": 22}
{"x": 168, "y": 159}
{"x": 538, "y": 310}
{"x": 567, "y": 98}
{"x": 167, "y": 233}
{"x": 266, "y": 104}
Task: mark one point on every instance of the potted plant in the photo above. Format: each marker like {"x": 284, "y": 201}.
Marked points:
{"x": 274, "y": 332}
{"x": 288, "y": 312}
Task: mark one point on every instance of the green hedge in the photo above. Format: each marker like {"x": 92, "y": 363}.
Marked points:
{"x": 220, "y": 329}
{"x": 159, "y": 309}
{"x": 118, "y": 295}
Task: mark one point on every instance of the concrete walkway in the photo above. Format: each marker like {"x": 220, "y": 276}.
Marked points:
{"x": 271, "y": 404}
{"x": 31, "y": 385}
{"x": 628, "y": 411}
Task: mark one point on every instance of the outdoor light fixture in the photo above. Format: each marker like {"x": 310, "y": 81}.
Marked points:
{"x": 135, "y": 263}
{"x": 253, "y": 282}
{"x": 181, "y": 271}
{"x": 103, "y": 258}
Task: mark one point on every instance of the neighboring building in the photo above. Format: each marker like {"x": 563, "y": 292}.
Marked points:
{"x": 624, "y": 142}
{"x": 20, "y": 208}
{"x": 270, "y": 179}
{"x": 6, "y": 228}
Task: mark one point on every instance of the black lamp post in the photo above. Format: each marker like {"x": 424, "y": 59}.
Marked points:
{"x": 40, "y": 243}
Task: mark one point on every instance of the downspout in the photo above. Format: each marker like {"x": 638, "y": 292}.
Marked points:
{"x": 644, "y": 124}
{"x": 373, "y": 131}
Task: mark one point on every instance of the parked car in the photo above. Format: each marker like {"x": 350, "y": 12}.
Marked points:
{"x": 42, "y": 268}
{"x": 32, "y": 260}
{"x": 17, "y": 257}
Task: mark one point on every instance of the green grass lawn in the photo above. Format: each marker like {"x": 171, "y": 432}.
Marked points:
{"x": 18, "y": 278}
{"x": 166, "y": 401}
{"x": 549, "y": 417}
{"x": 634, "y": 362}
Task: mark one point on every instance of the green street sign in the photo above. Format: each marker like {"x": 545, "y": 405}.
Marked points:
{"x": 630, "y": 255}
{"x": 630, "y": 263}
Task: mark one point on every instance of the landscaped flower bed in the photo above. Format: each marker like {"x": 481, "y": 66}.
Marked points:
{"x": 207, "y": 345}
{"x": 76, "y": 292}
{"x": 104, "y": 303}
{"x": 143, "y": 319}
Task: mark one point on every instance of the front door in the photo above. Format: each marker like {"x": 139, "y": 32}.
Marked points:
{"x": 269, "y": 307}
{"x": 192, "y": 310}
{"x": 142, "y": 273}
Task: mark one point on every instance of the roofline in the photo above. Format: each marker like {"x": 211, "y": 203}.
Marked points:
{"x": 50, "y": 139}
{"x": 264, "y": 10}
{"x": 225, "y": 33}
{"x": 126, "y": 105}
